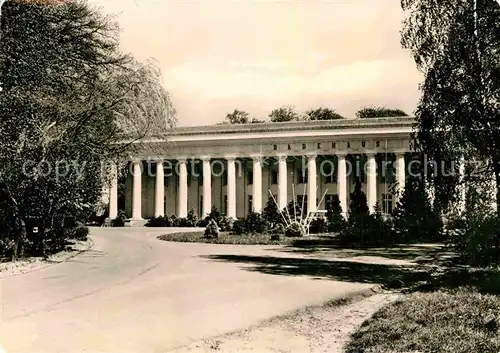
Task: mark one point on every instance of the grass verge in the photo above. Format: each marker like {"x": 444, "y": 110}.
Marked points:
{"x": 226, "y": 238}
{"x": 249, "y": 239}
{"x": 446, "y": 321}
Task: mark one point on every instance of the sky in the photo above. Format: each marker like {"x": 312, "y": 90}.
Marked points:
{"x": 219, "y": 55}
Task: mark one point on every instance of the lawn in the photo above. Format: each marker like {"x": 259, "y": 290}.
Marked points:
{"x": 226, "y": 238}
{"x": 445, "y": 321}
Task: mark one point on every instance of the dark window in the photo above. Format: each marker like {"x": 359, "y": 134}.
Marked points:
{"x": 249, "y": 177}
{"x": 329, "y": 172}
{"x": 225, "y": 204}
{"x": 224, "y": 178}
{"x": 250, "y": 203}
{"x": 300, "y": 199}
{"x": 330, "y": 201}
{"x": 201, "y": 205}
{"x": 274, "y": 177}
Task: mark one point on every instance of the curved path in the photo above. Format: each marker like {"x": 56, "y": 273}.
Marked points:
{"x": 134, "y": 293}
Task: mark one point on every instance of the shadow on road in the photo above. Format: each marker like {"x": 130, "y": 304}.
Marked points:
{"x": 390, "y": 276}
{"x": 429, "y": 275}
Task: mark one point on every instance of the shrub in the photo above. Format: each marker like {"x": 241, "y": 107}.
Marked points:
{"x": 226, "y": 223}
{"x": 255, "y": 223}
{"x": 271, "y": 213}
{"x": 212, "y": 230}
{"x": 279, "y": 229}
{"x": 368, "y": 230}
{"x": 275, "y": 237}
{"x": 239, "y": 226}
{"x": 174, "y": 221}
{"x": 161, "y": 221}
{"x": 81, "y": 231}
{"x": 318, "y": 226}
{"x": 293, "y": 230}
{"x": 119, "y": 221}
{"x": 476, "y": 239}
{"x": 215, "y": 214}
{"x": 192, "y": 218}
{"x": 182, "y": 222}
{"x": 414, "y": 217}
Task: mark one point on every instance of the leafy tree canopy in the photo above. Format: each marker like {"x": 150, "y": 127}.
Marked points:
{"x": 284, "y": 114}
{"x": 322, "y": 114}
{"x": 455, "y": 46}
{"x": 378, "y": 112}
{"x": 69, "y": 98}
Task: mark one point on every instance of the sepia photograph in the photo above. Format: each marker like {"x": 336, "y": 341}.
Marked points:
{"x": 266, "y": 176}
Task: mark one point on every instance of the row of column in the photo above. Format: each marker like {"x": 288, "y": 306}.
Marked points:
{"x": 182, "y": 192}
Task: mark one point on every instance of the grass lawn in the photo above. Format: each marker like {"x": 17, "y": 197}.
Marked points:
{"x": 226, "y": 238}
{"x": 445, "y": 321}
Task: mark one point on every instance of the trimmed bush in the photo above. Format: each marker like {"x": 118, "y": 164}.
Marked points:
{"x": 192, "y": 218}
{"x": 81, "y": 231}
{"x": 212, "y": 230}
{"x": 226, "y": 224}
{"x": 293, "y": 230}
{"x": 255, "y": 223}
{"x": 160, "y": 221}
{"x": 174, "y": 221}
{"x": 239, "y": 226}
{"x": 318, "y": 226}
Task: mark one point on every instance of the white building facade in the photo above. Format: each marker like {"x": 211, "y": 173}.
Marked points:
{"x": 237, "y": 168}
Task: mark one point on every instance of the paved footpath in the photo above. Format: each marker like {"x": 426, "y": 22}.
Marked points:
{"x": 134, "y": 293}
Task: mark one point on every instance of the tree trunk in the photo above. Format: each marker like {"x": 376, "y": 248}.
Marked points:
{"x": 19, "y": 240}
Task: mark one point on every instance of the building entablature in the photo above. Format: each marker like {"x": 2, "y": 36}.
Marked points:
{"x": 378, "y": 135}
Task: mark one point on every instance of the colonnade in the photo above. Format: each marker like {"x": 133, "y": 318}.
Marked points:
{"x": 257, "y": 202}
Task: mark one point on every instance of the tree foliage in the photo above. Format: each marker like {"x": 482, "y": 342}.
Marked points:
{"x": 69, "y": 99}
{"x": 358, "y": 206}
{"x": 284, "y": 114}
{"x": 456, "y": 47}
{"x": 378, "y": 112}
{"x": 322, "y": 114}
{"x": 238, "y": 117}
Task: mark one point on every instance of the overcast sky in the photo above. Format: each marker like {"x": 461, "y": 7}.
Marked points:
{"x": 220, "y": 55}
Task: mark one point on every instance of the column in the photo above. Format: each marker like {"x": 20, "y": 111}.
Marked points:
{"x": 231, "y": 187}
{"x": 182, "y": 191}
{"x": 311, "y": 183}
{"x": 400, "y": 173}
{"x": 257, "y": 184}
{"x": 113, "y": 193}
{"x": 372, "y": 182}
{"x": 282, "y": 182}
{"x": 137, "y": 189}
{"x": 160, "y": 189}
{"x": 342, "y": 183}
{"x": 207, "y": 186}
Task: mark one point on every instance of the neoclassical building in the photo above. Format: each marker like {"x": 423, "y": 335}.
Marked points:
{"x": 237, "y": 168}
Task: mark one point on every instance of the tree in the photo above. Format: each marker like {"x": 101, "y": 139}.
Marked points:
{"x": 358, "y": 206}
{"x": 378, "y": 112}
{"x": 455, "y": 46}
{"x": 271, "y": 213}
{"x": 336, "y": 221}
{"x": 76, "y": 102}
{"x": 322, "y": 114}
{"x": 284, "y": 114}
{"x": 238, "y": 117}
{"x": 414, "y": 217}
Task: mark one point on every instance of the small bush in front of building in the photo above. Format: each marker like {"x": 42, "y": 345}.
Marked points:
{"x": 192, "y": 218}
{"x": 293, "y": 230}
{"x": 212, "y": 230}
{"x": 182, "y": 222}
{"x": 226, "y": 223}
{"x": 278, "y": 229}
{"x": 255, "y": 223}
{"x": 239, "y": 226}
{"x": 119, "y": 221}
{"x": 318, "y": 226}
{"x": 161, "y": 221}
{"x": 275, "y": 237}
{"x": 174, "y": 221}
{"x": 81, "y": 231}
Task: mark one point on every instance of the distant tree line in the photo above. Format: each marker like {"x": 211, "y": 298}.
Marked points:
{"x": 289, "y": 113}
